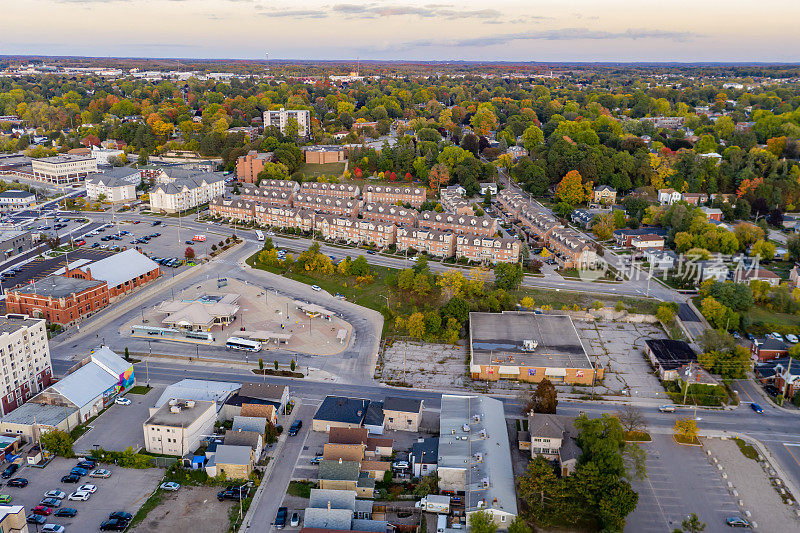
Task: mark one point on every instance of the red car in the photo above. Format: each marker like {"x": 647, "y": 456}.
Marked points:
{"x": 42, "y": 510}
{"x": 80, "y": 242}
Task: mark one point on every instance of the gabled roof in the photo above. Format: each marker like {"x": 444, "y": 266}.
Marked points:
{"x": 337, "y": 499}
{"x": 405, "y": 405}
{"x": 339, "y": 470}
{"x": 88, "y": 382}
{"x": 342, "y": 409}
{"x": 119, "y": 268}
{"x": 426, "y": 451}
{"x": 233, "y": 455}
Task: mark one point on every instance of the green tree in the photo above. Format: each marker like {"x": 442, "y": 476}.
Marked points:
{"x": 793, "y": 246}
{"x": 518, "y": 525}
{"x": 763, "y": 249}
{"x": 543, "y": 493}
{"x": 405, "y": 280}
{"x": 665, "y": 313}
{"x": 292, "y": 365}
{"x": 261, "y": 364}
{"x": 532, "y": 137}
{"x": 692, "y": 524}
{"x": 543, "y": 399}
{"x": 508, "y": 276}
{"x": 421, "y": 284}
{"x": 482, "y": 522}
{"x": 58, "y": 442}
{"x": 276, "y": 364}
{"x": 427, "y": 485}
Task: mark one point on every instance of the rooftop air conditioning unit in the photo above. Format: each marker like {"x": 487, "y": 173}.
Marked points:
{"x": 173, "y": 401}
{"x": 190, "y": 403}
{"x": 175, "y": 409}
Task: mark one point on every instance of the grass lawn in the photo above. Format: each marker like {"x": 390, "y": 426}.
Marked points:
{"x": 557, "y": 299}
{"x": 301, "y": 489}
{"x": 680, "y": 439}
{"x": 637, "y": 436}
{"x": 327, "y": 169}
{"x": 747, "y": 450}
{"x": 760, "y": 314}
{"x": 139, "y": 389}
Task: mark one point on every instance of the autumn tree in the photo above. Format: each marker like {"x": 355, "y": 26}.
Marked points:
{"x": 686, "y": 429}
{"x": 188, "y": 253}
{"x": 439, "y": 175}
{"x": 632, "y": 419}
{"x": 532, "y": 137}
{"x": 604, "y": 226}
{"x": 570, "y": 189}
{"x": 543, "y": 399}
{"x": 416, "y": 325}
{"x": 763, "y": 249}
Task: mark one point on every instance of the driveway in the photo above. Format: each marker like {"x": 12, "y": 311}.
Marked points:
{"x": 121, "y": 425}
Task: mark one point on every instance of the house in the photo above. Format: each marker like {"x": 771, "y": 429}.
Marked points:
{"x": 249, "y": 423}
{"x": 712, "y": 269}
{"x": 582, "y": 218}
{"x": 794, "y": 275}
{"x": 257, "y": 394}
{"x": 474, "y": 456}
{"x": 624, "y": 237}
{"x": 783, "y": 373}
{"x": 554, "y": 437}
{"x": 335, "y": 190}
{"x": 396, "y": 214}
{"x": 375, "y": 419}
{"x": 756, "y": 274}
{"x": 516, "y": 152}
{"x": 245, "y": 438}
{"x": 668, "y": 196}
{"x": 768, "y": 348}
{"x": 236, "y": 462}
{"x": 455, "y": 223}
{"x": 488, "y": 186}
{"x": 339, "y": 411}
{"x": 257, "y": 410}
{"x": 660, "y": 259}
{"x": 647, "y": 242}
{"x": 424, "y": 456}
{"x": 178, "y": 426}
{"x": 402, "y": 414}
{"x": 369, "y": 447}
{"x": 604, "y": 194}
{"x": 668, "y": 356}
{"x": 345, "y": 475}
{"x": 485, "y": 249}
{"x": 712, "y": 213}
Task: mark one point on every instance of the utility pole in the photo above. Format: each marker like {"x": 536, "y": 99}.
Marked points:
{"x": 689, "y": 374}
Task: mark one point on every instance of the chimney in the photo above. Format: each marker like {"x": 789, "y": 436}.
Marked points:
{"x": 329, "y": 505}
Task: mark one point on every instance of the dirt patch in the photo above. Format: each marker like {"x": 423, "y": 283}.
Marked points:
{"x": 194, "y": 509}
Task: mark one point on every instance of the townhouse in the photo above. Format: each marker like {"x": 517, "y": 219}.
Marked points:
{"x": 396, "y": 214}
{"x": 276, "y": 194}
{"x": 453, "y": 202}
{"x": 337, "y": 190}
{"x": 571, "y": 249}
{"x": 284, "y": 217}
{"x": 461, "y": 224}
{"x": 434, "y": 243}
{"x": 355, "y": 231}
{"x": 487, "y": 249}
{"x": 414, "y": 196}
{"x": 239, "y": 210}
{"x": 327, "y": 204}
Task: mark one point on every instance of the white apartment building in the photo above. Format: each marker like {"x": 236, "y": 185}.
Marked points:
{"x": 25, "y": 367}
{"x": 182, "y": 193}
{"x": 280, "y": 118}
{"x": 177, "y": 427}
{"x": 102, "y": 154}
{"x": 116, "y": 185}
{"x": 13, "y": 200}
{"x": 63, "y": 169}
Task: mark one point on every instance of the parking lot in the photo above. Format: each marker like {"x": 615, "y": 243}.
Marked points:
{"x": 41, "y": 267}
{"x": 121, "y": 425}
{"x": 125, "y": 490}
{"x": 680, "y": 481}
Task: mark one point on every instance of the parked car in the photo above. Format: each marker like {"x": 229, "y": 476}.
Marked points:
{"x": 772, "y": 390}
{"x": 87, "y": 487}
{"x": 42, "y": 510}
{"x": 51, "y": 502}
{"x": 34, "y": 518}
{"x": 53, "y": 528}
{"x": 19, "y": 482}
{"x": 10, "y": 470}
{"x": 114, "y": 524}
{"x": 777, "y": 336}
{"x": 120, "y": 515}
{"x": 71, "y": 478}
{"x": 280, "y": 518}
{"x": 295, "y": 521}
{"x": 60, "y": 494}
{"x": 122, "y": 401}
{"x": 66, "y": 512}
{"x": 792, "y": 338}
{"x": 86, "y": 463}
{"x": 400, "y": 465}
{"x": 316, "y": 288}
{"x": 737, "y": 521}
{"x": 234, "y": 494}
{"x": 5, "y": 498}
{"x": 170, "y": 485}
{"x": 79, "y": 471}
{"x": 79, "y": 496}
{"x": 316, "y": 460}
{"x": 757, "y": 408}
{"x": 100, "y": 472}
{"x": 295, "y": 427}
{"x": 667, "y": 408}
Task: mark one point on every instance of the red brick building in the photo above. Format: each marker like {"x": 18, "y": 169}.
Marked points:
{"x": 435, "y": 243}
{"x": 239, "y": 210}
{"x": 277, "y": 192}
{"x": 768, "y": 348}
{"x": 400, "y": 216}
{"x": 284, "y": 217}
{"x": 488, "y": 249}
{"x": 354, "y": 230}
{"x": 337, "y": 190}
{"x": 327, "y": 204}
{"x": 414, "y": 196}
{"x": 123, "y": 272}
{"x": 465, "y": 224}
{"x": 248, "y": 166}
{"x": 59, "y": 299}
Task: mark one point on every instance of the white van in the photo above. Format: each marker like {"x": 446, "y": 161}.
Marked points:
{"x": 259, "y": 235}
{"x": 441, "y": 523}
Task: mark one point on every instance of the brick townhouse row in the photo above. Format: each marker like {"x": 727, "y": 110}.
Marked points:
{"x": 355, "y": 231}
{"x": 570, "y": 248}
{"x": 472, "y": 224}
{"x": 327, "y": 204}
{"x": 337, "y": 190}
{"x": 268, "y": 195}
{"x": 414, "y": 196}
{"x": 401, "y": 216}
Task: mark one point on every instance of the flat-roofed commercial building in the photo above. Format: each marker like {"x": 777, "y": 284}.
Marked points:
{"x": 63, "y": 169}
{"x": 528, "y": 347}
{"x": 13, "y": 242}
{"x": 177, "y": 427}
{"x": 58, "y": 299}
{"x": 318, "y": 155}
{"x": 16, "y": 200}
{"x": 25, "y": 367}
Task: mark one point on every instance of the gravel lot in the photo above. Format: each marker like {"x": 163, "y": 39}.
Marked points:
{"x": 754, "y": 486}
{"x": 431, "y": 366}
{"x": 194, "y": 509}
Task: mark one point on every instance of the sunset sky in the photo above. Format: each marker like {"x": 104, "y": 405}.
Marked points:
{"x": 506, "y": 30}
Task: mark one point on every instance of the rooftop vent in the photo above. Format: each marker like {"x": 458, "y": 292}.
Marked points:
{"x": 175, "y": 409}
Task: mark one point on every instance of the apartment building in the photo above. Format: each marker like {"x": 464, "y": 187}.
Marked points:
{"x": 284, "y": 217}
{"x": 179, "y": 191}
{"x": 462, "y": 224}
{"x": 434, "y": 243}
{"x": 278, "y": 195}
{"x": 249, "y": 165}
{"x": 336, "y": 190}
{"x": 25, "y": 367}
{"x": 115, "y": 186}
{"x": 239, "y": 210}
{"x": 331, "y": 205}
{"x": 355, "y": 231}
{"x": 16, "y": 200}
{"x": 571, "y": 249}
{"x": 396, "y": 214}
{"x": 484, "y": 249}
{"x": 414, "y": 196}
{"x": 63, "y": 169}
{"x": 58, "y": 299}
{"x": 178, "y": 426}
{"x": 281, "y": 117}
{"x": 318, "y": 155}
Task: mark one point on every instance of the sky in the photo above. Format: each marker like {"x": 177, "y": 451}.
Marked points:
{"x": 427, "y": 30}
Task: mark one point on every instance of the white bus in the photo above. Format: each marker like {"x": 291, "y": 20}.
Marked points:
{"x": 237, "y": 343}
{"x": 259, "y": 235}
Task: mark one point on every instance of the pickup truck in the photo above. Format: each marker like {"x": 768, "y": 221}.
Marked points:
{"x": 280, "y": 518}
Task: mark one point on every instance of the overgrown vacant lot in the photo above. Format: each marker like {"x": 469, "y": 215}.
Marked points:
{"x": 194, "y": 509}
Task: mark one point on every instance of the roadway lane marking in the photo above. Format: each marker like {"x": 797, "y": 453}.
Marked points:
{"x": 746, "y": 394}
{"x": 787, "y": 445}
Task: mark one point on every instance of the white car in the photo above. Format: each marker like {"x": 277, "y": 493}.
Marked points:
{"x": 777, "y": 336}
{"x": 122, "y": 401}
{"x": 87, "y": 487}
{"x": 170, "y": 485}
{"x": 100, "y": 472}
{"x": 58, "y": 494}
{"x": 53, "y": 528}
{"x": 316, "y": 288}
{"x": 79, "y": 496}
{"x": 792, "y": 338}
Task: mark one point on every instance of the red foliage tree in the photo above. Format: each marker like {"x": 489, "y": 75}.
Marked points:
{"x": 90, "y": 140}
{"x": 189, "y": 253}
{"x": 392, "y": 176}
{"x": 408, "y": 176}
{"x": 357, "y": 173}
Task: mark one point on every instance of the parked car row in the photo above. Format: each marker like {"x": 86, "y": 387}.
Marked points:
{"x": 173, "y": 262}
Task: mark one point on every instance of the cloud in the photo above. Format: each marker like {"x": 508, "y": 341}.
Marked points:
{"x": 563, "y": 34}
{"x": 295, "y": 13}
{"x": 446, "y": 11}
